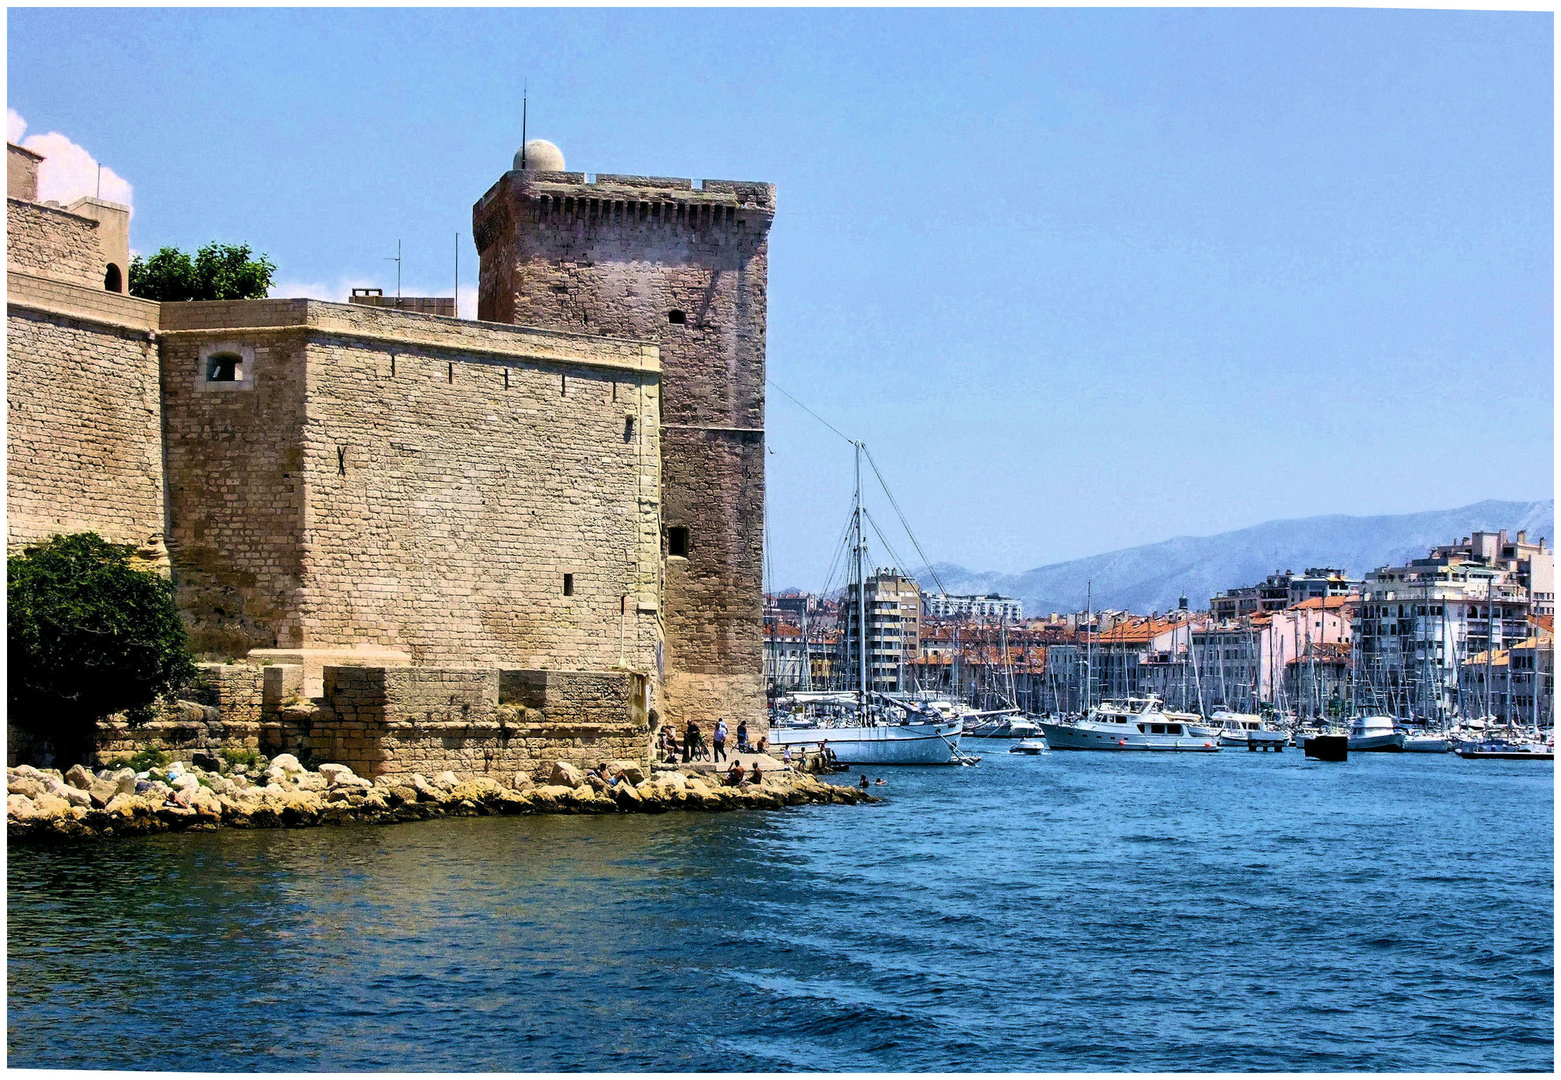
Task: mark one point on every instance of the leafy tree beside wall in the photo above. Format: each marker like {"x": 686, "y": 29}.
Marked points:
{"x": 88, "y": 635}
{"x": 217, "y": 272}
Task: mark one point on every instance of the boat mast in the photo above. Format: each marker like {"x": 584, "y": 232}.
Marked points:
{"x": 861, "y": 587}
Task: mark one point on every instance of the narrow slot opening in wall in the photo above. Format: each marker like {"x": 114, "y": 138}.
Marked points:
{"x": 677, "y": 541}
{"x": 563, "y": 386}
{"x": 628, "y": 429}
{"x": 615, "y": 390}
{"x": 506, "y": 378}
{"x": 569, "y": 584}
{"x": 676, "y": 317}
{"x": 452, "y": 373}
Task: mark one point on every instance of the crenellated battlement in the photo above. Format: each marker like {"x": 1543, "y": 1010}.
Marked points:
{"x": 613, "y": 199}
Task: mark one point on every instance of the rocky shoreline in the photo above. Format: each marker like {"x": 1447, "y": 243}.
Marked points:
{"x": 45, "y": 805}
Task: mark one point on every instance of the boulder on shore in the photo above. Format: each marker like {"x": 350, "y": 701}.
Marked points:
{"x": 566, "y": 775}
{"x": 79, "y": 777}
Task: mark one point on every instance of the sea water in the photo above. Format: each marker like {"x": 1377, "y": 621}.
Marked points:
{"x": 1230, "y": 911}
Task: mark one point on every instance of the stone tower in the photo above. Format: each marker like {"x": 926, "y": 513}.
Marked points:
{"x": 685, "y": 266}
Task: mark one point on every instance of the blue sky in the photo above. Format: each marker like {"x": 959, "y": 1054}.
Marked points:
{"x": 1081, "y": 279}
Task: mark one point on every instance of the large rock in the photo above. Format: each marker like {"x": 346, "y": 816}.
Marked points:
{"x": 80, "y": 777}
{"x": 523, "y": 782}
{"x": 19, "y": 807}
{"x": 276, "y": 775}
{"x": 447, "y": 780}
{"x": 632, "y": 771}
{"x": 74, "y": 796}
{"x": 47, "y": 807}
{"x": 102, "y": 791}
{"x": 127, "y": 806}
{"x": 287, "y": 763}
{"x": 339, "y": 776}
{"x": 28, "y": 771}
{"x": 26, "y": 786}
{"x": 566, "y": 775}
{"x": 426, "y": 792}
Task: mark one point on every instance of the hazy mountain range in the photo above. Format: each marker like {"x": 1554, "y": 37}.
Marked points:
{"x": 1153, "y": 577}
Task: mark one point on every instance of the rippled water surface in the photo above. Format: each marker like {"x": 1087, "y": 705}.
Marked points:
{"x": 1085, "y": 911}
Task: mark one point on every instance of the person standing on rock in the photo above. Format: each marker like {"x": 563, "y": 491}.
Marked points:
{"x": 719, "y": 739}
{"x": 742, "y": 735}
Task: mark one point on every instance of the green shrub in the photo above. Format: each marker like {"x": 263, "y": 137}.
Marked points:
{"x": 89, "y": 635}
{"x": 233, "y": 757}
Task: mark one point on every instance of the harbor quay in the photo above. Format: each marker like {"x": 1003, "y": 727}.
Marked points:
{"x": 47, "y": 806}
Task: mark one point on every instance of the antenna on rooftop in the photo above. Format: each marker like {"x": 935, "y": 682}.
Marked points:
{"x": 100, "y": 180}
{"x": 397, "y": 261}
{"x": 523, "y": 126}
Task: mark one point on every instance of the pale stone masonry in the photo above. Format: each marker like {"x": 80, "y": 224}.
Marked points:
{"x": 415, "y": 542}
{"x": 659, "y": 259}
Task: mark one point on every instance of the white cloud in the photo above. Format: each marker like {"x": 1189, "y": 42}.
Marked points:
{"x": 67, "y": 172}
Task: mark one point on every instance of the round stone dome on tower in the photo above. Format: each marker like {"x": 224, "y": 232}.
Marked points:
{"x": 540, "y": 156}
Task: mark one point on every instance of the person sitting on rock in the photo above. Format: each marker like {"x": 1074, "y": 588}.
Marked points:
{"x": 598, "y": 778}
{"x": 669, "y": 746}
{"x": 758, "y": 774}
{"x": 734, "y": 775}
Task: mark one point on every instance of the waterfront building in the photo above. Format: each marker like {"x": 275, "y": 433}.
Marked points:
{"x": 1281, "y": 590}
{"x": 991, "y": 606}
{"x": 1422, "y": 621}
{"x": 1516, "y": 685}
{"x": 892, "y": 602}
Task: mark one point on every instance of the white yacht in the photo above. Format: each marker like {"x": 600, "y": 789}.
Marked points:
{"x": 1234, "y": 727}
{"x": 1133, "y": 724}
{"x": 1375, "y": 733}
{"x": 1428, "y": 742}
{"x": 877, "y": 742}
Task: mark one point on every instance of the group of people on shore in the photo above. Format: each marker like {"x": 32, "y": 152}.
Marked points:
{"x": 693, "y": 747}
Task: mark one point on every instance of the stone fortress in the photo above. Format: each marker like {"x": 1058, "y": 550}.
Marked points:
{"x": 408, "y": 542}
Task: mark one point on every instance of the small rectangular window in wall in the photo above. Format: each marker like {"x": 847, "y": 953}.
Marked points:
{"x": 569, "y": 584}
{"x": 677, "y": 541}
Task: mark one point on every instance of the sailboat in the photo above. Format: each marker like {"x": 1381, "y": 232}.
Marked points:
{"x": 869, "y": 727}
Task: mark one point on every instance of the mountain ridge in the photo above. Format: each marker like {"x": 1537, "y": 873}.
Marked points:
{"x": 1153, "y": 577}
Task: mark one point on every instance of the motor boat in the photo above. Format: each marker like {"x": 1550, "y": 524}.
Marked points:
{"x": 1029, "y": 746}
{"x": 1234, "y": 727}
{"x": 1428, "y": 742}
{"x": 1130, "y": 724}
{"x": 1375, "y": 733}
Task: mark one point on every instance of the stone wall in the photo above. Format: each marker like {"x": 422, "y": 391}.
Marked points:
{"x": 234, "y": 458}
{"x": 405, "y": 481}
{"x": 52, "y": 243}
{"x": 661, "y": 260}
{"x": 83, "y": 415}
{"x": 398, "y": 721}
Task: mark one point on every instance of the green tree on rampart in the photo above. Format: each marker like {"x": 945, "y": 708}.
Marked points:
{"x": 217, "y": 272}
{"x": 88, "y": 636}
